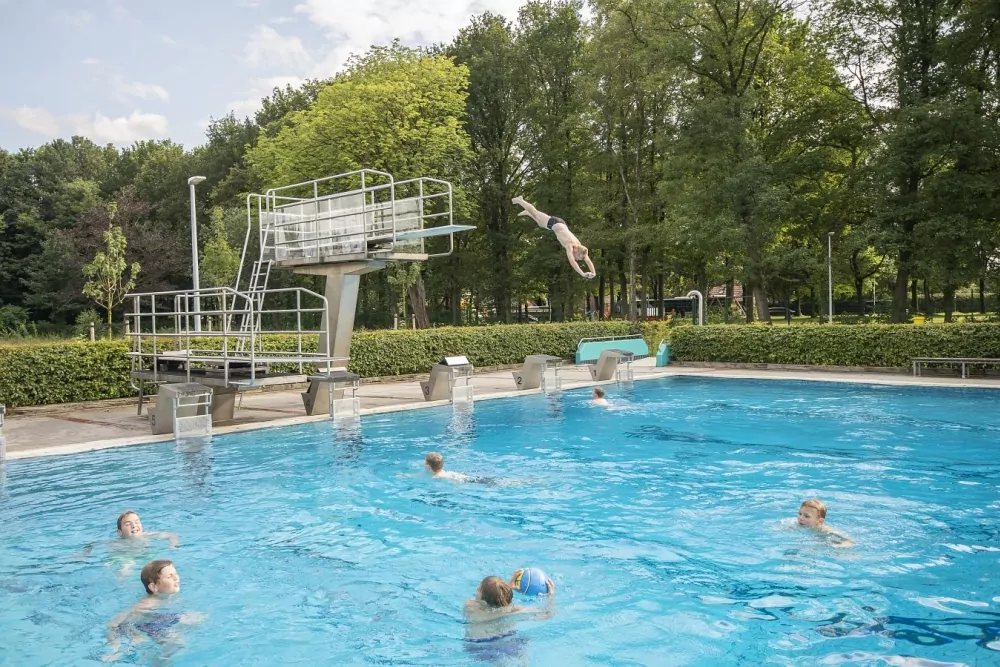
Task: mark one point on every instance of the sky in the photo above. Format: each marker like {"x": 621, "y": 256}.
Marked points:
{"x": 119, "y": 71}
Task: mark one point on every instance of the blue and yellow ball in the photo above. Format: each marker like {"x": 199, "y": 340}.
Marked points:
{"x": 530, "y": 581}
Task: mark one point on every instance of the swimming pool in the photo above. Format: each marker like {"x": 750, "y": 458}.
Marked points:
{"x": 664, "y": 522}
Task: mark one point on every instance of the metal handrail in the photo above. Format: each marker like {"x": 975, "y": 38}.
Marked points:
{"x": 600, "y": 338}
{"x": 184, "y": 334}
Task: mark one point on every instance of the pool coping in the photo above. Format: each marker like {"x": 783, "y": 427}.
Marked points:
{"x": 687, "y": 370}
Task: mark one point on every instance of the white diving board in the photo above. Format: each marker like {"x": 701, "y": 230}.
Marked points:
{"x": 414, "y": 234}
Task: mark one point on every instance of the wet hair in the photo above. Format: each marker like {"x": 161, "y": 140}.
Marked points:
{"x": 435, "y": 461}
{"x": 121, "y": 517}
{"x": 598, "y": 392}
{"x": 151, "y": 572}
{"x": 817, "y": 505}
{"x": 495, "y": 592}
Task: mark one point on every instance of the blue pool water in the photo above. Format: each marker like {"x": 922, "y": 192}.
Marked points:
{"x": 664, "y": 523}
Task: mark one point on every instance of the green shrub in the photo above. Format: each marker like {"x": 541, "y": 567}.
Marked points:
{"x": 879, "y": 345}
{"x": 39, "y": 374}
{"x": 15, "y": 323}
{"x": 87, "y": 317}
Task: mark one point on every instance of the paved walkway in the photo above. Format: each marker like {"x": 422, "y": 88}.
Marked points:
{"x": 64, "y": 429}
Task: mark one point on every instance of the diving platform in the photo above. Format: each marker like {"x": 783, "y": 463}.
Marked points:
{"x": 233, "y": 339}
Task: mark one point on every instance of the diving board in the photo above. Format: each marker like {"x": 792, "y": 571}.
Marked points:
{"x": 428, "y": 232}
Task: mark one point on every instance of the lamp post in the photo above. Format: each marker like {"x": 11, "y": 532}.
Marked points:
{"x": 829, "y": 272}
{"x": 193, "y": 181}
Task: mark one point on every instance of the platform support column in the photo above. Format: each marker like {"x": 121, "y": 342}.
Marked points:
{"x": 342, "y": 284}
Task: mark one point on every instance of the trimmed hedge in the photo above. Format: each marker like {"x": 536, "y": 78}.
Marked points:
{"x": 878, "y": 345}
{"x": 38, "y": 373}
{"x": 403, "y": 352}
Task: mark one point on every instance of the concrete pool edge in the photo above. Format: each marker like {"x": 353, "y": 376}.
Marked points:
{"x": 647, "y": 372}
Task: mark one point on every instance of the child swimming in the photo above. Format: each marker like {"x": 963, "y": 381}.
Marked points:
{"x": 598, "y": 398}
{"x": 435, "y": 464}
{"x": 142, "y": 621}
{"x": 490, "y": 635}
{"x": 812, "y": 514}
{"x": 132, "y": 543}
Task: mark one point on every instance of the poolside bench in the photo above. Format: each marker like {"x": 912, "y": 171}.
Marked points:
{"x": 608, "y": 366}
{"x": 963, "y": 362}
{"x": 589, "y": 350}
{"x": 539, "y": 371}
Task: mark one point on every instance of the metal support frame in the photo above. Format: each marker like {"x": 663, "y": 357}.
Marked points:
{"x": 340, "y": 227}
{"x": 237, "y": 356}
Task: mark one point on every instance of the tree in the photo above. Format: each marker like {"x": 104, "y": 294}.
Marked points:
{"x": 495, "y": 122}
{"x": 106, "y": 283}
{"x": 395, "y": 109}
{"x": 925, "y": 75}
{"x": 219, "y": 260}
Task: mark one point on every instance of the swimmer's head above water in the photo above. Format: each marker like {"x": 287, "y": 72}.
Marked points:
{"x": 129, "y": 524}
{"x": 495, "y": 592}
{"x": 160, "y": 578}
{"x": 812, "y": 514}
{"x": 434, "y": 462}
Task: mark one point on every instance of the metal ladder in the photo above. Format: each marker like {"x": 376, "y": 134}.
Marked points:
{"x": 255, "y": 291}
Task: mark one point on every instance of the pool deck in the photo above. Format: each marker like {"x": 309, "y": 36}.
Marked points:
{"x": 66, "y": 429}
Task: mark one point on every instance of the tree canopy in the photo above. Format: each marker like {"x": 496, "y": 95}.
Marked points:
{"x": 689, "y": 144}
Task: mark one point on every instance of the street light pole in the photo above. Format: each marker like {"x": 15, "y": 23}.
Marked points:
{"x": 193, "y": 181}
{"x": 829, "y": 271}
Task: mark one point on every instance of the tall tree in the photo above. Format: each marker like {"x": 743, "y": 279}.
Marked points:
{"x": 395, "y": 109}
{"x": 495, "y": 113}
{"x": 106, "y": 282}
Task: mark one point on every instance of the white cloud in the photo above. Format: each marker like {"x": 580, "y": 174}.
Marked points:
{"x": 168, "y": 40}
{"x": 278, "y": 20}
{"x": 33, "y": 119}
{"x": 90, "y": 61}
{"x": 144, "y": 91}
{"x": 250, "y": 103}
{"x": 356, "y": 26}
{"x": 121, "y": 130}
{"x": 268, "y": 47}
{"x": 77, "y": 19}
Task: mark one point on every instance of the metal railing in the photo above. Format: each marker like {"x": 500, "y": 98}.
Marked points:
{"x": 358, "y": 217}
{"x": 161, "y": 327}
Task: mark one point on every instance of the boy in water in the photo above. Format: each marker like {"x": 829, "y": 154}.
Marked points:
{"x": 141, "y": 620}
{"x": 812, "y": 514}
{"x": 575, "y": 251}
{"x": 129, "y": 526}
{"x": 435, "y": 463}
{"x": 489, "y": 635}
{"x": 598, "y": 398}
{"x": 131, "y": 543}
